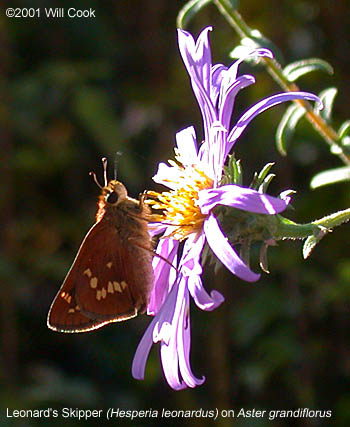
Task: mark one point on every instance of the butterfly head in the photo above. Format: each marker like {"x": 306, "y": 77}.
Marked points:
{"x": 113, "y": 193}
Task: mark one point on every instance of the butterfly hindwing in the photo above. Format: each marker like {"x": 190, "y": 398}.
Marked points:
{"x": 65, "y": 314}
{"x": 96, "y": 290}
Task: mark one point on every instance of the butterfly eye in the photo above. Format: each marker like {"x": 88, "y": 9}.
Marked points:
{"x": 112, "y": 198}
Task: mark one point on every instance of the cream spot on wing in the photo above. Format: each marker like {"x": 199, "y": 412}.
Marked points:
{"x": 124, "y": 284}
{"x": 110, "y": 288}
{"x": 117, "y": 287}
{"x": 104, "y": 293}
{"x": 93, "y": 282}
{"x": 71, "y": 310}
{"x": 77, "y": 308}
{"x": 88, "y": 272}
{"x": 98, "y": 295}
{"x": 109, "y": 264}
{"x": 66, "y": 297}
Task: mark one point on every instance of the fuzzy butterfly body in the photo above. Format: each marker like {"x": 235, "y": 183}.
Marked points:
{"x": 111, "y": 277}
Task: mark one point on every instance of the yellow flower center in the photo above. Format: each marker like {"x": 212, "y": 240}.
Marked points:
{"x": 180, "y": 206}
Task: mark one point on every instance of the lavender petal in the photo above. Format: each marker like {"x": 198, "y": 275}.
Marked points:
{"x": 224, "y": 251}
{"x": 261, "y": 106}
{"x": 242, "y": 198}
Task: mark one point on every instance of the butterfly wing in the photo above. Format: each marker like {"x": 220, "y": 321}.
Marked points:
{"x": 65, "y": 314}
{"x": 101, "y": 286}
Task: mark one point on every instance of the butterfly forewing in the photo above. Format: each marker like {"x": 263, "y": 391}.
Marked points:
{"x": 65, "y": 315}
{"x": 105, "y": 285}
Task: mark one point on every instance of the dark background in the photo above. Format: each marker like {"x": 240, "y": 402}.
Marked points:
{"x": 74, "y": 90}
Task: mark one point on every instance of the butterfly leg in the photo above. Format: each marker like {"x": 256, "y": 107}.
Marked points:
{"x": 142, "y": 198}
{"x": 152, "y": 251}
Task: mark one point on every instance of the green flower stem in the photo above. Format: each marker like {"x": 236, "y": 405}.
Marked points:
{"x": 275, "y": 70}
{"x": 233, "y": 17}
{"x": 286, "y": 229}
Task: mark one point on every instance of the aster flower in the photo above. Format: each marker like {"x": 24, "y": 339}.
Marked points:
{"x": 188, "y": 208}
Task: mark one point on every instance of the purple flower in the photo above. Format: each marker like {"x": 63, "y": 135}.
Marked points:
{"x": 193, "y": 180}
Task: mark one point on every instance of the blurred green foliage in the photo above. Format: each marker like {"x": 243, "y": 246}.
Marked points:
{"x": 74, "y": 90}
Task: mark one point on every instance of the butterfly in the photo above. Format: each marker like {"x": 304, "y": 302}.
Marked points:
{"x": 111, "y": 276}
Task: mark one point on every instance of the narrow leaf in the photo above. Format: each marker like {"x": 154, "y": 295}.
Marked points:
{"x": 266, "y": 182}
{"x": 309, "y": 245}
{"x": 264, "y": 171}
{"x": 255, "y": 41}
{"x": 327, "y": 97}
{"x": 254, "y": 183}
{"x": 263, "y": 261}
{"x": 236, "y": 170}
{"x": 330, "y": 176}
{"x": 286, "y": 127}
{"x": 259, "y": 177}
{"x": 344, "y": 130}
{"x": 189, "y": 11}
{"x": 333, "y": 220}
{"x": 297, "y": 69}
{"x": 233, "y": 173}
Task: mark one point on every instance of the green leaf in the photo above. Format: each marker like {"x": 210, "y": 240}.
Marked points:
{"x": 265, "y": 170}
{"x": 263, "y": 261}
{"x": 189, "y": 11}
{"x": 333, "y": 220}
{"x": 297, "y": 69}
{"x": 234, "y": 3}
{"x": 233, "y": 173}
{"x": 262, "y": 180}
{"x": 344, "y": 136}
{"x": 286, "y": 127}
{"x": 331, "y": 176}
{"x": 308, "y": 246}
{"x": 255, "y": 41}
{"x": 344, "y": 130}
{"x": 312, "y": 241}
{"x": 327, "y": 96}
{"x": 235, "y": 169}
{"x": 266, "y": 182}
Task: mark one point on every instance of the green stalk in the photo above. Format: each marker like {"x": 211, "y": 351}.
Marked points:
{"x": 274, "y": 68}
{"x": 287, "y": 229}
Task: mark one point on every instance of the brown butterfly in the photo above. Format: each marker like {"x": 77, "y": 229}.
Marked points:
{"x": 111, "y": 277}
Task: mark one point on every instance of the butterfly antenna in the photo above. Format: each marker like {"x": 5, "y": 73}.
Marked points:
{"x": 95, "y": 179}
{"x": 116, "y": 159}
{"x": 104, "y": 163}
